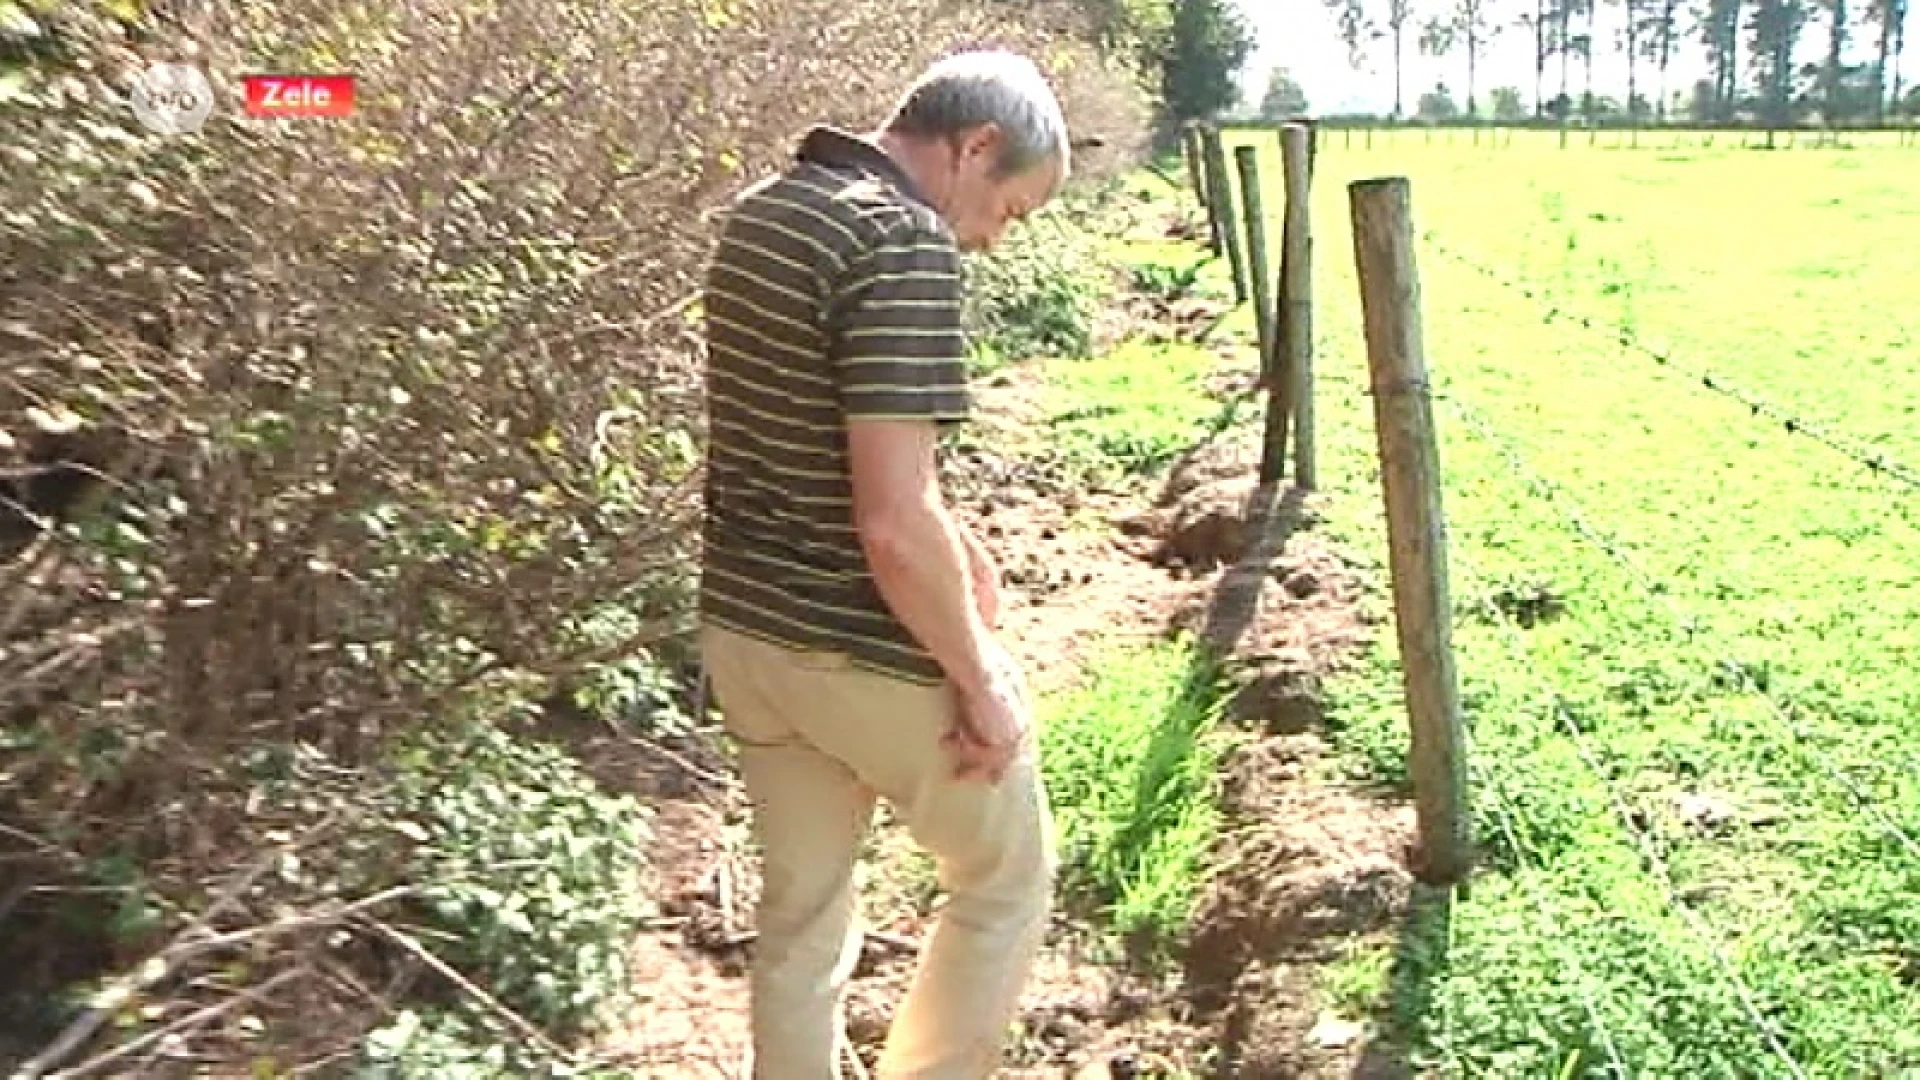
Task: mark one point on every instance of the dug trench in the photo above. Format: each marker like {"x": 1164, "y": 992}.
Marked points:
{"x": 1304, "y": 871}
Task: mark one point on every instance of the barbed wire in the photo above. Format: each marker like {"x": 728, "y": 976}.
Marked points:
{"x": 1860, "y": 453}
{"x": 1510, "y": 813}
{"x": 1639, "y": 837}
{"x": 1692, "y": 627}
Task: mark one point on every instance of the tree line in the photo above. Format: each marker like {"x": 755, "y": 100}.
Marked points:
{"x": 1750, "y": 48}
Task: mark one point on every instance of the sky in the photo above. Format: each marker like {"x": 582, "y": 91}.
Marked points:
{"x": 1303, "y": 36}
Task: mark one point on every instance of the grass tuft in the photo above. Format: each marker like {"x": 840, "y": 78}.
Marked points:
{"x": 1131, "y": 765}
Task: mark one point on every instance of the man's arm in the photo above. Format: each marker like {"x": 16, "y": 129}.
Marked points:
{"x": 986, "y": 575}
{"x": 900, "y": 364}
{"x": 918, "y": 553}
{"x": 919, "y": 559}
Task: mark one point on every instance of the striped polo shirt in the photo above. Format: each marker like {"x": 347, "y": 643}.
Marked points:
{"x": 834, "y": 293}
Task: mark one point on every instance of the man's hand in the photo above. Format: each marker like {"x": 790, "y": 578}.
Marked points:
{"x": 992, "y": 723}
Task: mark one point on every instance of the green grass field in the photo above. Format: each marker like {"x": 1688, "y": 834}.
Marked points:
{"x": 1697, "y": 764}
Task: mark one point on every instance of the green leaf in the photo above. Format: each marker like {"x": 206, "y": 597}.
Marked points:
{"x": 14, "y": 21}
{"x": 127, "y": 11}
{"x": 13, "y": 88}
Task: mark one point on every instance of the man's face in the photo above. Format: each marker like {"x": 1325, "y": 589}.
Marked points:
{"x": 981, "y": 203}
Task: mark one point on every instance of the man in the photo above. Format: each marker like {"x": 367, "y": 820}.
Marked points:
{"x": 848, "y": 617}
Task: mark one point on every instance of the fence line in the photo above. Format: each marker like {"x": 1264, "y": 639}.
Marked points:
{"x": 1554, "y": 495}
{"x": 1237, "y": 231}
{"x": 1846, "y": 445}
{"x": 1649, "y": 849}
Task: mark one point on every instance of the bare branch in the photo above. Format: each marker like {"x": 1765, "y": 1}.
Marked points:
{"x": 515, "y": 1020}
{"x": 191, "y": 1022}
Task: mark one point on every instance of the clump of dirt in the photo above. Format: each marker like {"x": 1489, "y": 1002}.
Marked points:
{"x": 1308, "y": 866}
{"x": 1310, "y": 869}
{"x": 1279, "y": 694}
{"x": 1072, "y": 571}
{"x": 1159, "y": 319}
{"x": 1229, "y": 458}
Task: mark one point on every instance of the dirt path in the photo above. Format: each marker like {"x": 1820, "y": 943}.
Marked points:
{"x": 1304, "y": 869}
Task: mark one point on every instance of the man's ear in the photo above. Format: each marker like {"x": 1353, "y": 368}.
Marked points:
{"x": 984, "y": 139}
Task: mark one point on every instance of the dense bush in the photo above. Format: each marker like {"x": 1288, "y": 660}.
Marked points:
{"x": 314, "y": 432}
{"x": 1038, "y": 294}
{"x": 533, "y": 874}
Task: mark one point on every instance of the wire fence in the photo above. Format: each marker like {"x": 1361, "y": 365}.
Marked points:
{"x": 1854, "y": 449}
{"x": 1629, "y": 819}
{"x": 1797, "y": 736}
{"x": 1637, "y": 834}
{"x": 1513, "y": 822}
{"x": 1829, "y": 784}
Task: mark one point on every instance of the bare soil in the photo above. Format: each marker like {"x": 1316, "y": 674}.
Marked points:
{"x": 1305, "y": 869}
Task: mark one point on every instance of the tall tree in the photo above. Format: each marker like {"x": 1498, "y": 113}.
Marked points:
{"x": 1889, "y": 18}
{"x": 1774, "y": 30}
{"x": 1438, "y": 39}
{"x": 1567, "y": 42}
{"x": 1465, "y": 27}
{"x": 1538, "y": 24}
{"x": 1207, "y": 46}
{"x": 1830, "y": 108}
{"x": 1636, "y": 25}
{"x": 1284, "y": 97}
{"x": 1720, "y": 29}
{"x": 1660, "y": 39}
{"x": 1399, "y": 18}
{"x": 1880, "y": 13}
{"x": 1356, "y": 28}
{"x": 1590, "y": 42}
{"x": 1563, "y": 11}
{"x": 1899, "y": 46}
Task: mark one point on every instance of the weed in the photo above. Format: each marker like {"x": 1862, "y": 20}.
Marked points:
{"x": 1163, "y": 281}
{"x": 1130, "y": 765}
{"x": 1036, "y": 294}
{"x": 1358, "y": 982}
{"x": 1134, "y": 409}
{"x": 531, "y": 870}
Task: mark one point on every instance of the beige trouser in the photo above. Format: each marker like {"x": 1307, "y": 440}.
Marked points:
{"x": 818, "y": 740}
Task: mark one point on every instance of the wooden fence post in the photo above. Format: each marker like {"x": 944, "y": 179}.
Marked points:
{"x": 1296, "y": 291}
{"x": 1209, "y": 186}
{"x": 1247, "y": 159}
{"x": 1416, "y": 525}
{"x": 1196, "y": 168}
{"x": 1276, "y": 376}
{"x": 1220, "y": 186}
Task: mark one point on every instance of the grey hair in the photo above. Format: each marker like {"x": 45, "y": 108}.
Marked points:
{"x": 969, "y": 89}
